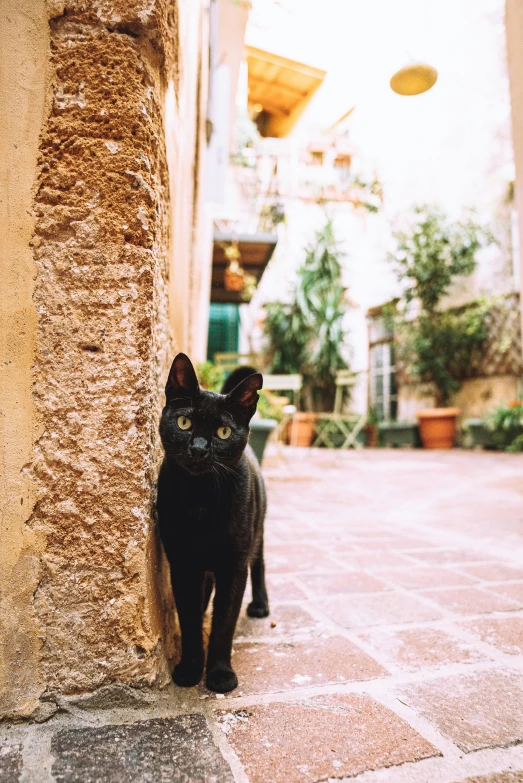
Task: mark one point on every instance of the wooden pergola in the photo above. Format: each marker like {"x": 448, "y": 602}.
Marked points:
{"x": 279, "y": 90}
{"x": 255, "y": 250}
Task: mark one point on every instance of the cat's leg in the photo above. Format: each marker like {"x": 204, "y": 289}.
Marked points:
{"x": 230, "y": 587}
{"x": 188, "y": 593}
{"x": 259, "y": 606}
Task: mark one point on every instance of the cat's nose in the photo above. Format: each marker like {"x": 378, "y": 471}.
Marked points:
{"x": 199, "y": 447}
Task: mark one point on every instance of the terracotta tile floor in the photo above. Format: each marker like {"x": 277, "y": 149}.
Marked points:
{"x": 394, "y": 650}
{"x": 393, "y": 653}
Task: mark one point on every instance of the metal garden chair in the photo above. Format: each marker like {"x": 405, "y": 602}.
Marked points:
{"x": 284, "y": 383}
{"x": 337, "y": 429}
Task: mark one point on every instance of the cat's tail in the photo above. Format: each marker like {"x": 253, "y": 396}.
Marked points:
{"x": 237, "y": 376}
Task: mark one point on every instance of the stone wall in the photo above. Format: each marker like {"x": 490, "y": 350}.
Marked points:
{"x": 84, "y": 585}
{"x": 475, "y": 399}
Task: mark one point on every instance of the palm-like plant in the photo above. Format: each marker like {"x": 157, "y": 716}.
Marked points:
{"x": 307, "y": 334}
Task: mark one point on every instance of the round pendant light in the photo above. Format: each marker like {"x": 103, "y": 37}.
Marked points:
{"x": 414, "y": 79}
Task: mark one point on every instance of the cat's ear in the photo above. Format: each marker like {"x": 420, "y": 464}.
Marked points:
{"x": 246, "y": 393}
{"x": 182, "y": 381}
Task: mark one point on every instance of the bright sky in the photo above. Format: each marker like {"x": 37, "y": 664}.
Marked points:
{"x": 451, "y": 144}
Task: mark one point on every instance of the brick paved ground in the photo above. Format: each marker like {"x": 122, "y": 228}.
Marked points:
{"x": 394, "y": 650}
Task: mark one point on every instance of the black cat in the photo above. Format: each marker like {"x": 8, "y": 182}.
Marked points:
{"x": 211, "y": 509}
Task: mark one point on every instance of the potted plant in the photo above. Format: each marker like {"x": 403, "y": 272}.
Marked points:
{"x": 305, "y": 335}
{"x": 397, "y": 434}
{"x": 371, "y": 429}
{"x": 266, "y": 419}
{"x": 505, "y": 426}
{"x": 210, "y": 377}
{"x": 437, "y": 345}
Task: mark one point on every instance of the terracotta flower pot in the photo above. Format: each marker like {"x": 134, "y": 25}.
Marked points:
{"x": 371, "y": 435}
{"x": 233, "y": 280}
{"x": 301, "y": 429}
{"x": 438, "y": 427}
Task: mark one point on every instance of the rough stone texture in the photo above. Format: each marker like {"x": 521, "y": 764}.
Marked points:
{"x": 476, "y": 711}
{"x": 10, "y": 763}
{"x": 427, "y": 577}
{"x": 345, "y": 583}
{"x": 103, "y": 342}
{"x": 505, "y": 633}
{"x": 178, "y": 750}
{"x": 266, "y": 668}
{"x": 421, "y": 648}
{"x": 328, "y": 736}
{"x": 378, "y": 609}
{"x": 300, "y": 557}
{"x": 513, "y": 591}
{"x": 99, "y": 246}
{"x": 497, "y": 777}
{"x": 444, "y": 556}
{"x": 283, "y": 620}
{"x": 494, "y": 572}
{"x": 283, "y": 589}
{"x": 471, "y": 600}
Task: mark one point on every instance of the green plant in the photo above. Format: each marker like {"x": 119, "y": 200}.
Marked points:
{"x": 210, "y": 376}
{"x": 437, "y": 345}
{"x": 306, "y": 335}
{"x": 267, "y": 408}
{"x": 372, "y": 418}
{"x": 506, "y": 422}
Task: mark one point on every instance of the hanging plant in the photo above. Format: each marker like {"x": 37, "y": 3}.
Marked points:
{"x": 234, "y": 274}
{"x": 235, "y": 277}
{"x": 249, "y": 286}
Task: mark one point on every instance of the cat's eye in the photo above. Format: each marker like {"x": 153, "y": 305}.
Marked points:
{"x": 184, "y": 423}
{"x": 224, "y": 432}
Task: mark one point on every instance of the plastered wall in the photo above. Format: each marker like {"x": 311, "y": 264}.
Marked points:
{"x": 24, "y": 44}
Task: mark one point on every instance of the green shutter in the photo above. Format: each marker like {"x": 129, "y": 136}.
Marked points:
{"x": 224, "y": 329}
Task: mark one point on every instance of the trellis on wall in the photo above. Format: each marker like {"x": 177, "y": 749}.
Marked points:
{"x": 502, "y": 352}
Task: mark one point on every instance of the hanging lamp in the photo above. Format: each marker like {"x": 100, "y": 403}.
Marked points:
{"x": 414, "y": 79}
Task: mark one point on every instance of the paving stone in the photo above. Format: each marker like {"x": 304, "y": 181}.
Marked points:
{"x": 393, "y": 543}
{"x": 478, "y": 710}
{"x": 263, "y": 667}
{"x": 471, "y": 600}
{"x": 343, "y": 582}
{"x": 178, "y": 750}
{"x": 282, "y": 588}
{"x": 378, "y": 609}
{"x": 512, "y": 591}
{"x": 289, "y": 619}
{"x": 297, "y": 557}
{"x": 422, "y": 648}
{"x": 442, "y": 556}
{"x": 497, "y": 777}
{"x": 10, "y": 763}
{"x": 505, "y": 633}
{"x": 427, "y": 577}
{"x": 375, "y": 559}
{"x": 494, "y": 572}
{"x": 327, "y": 736}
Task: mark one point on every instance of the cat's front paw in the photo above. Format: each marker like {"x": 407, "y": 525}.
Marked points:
{"x": 221, "y": 680}
{"x": 258, "y": 609}
{"x": 187, "y": 674}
